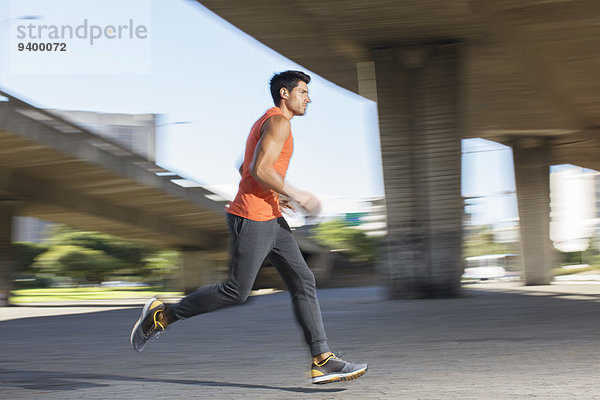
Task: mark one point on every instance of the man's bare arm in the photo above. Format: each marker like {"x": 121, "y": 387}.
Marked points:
{"x": 276, "y": 130}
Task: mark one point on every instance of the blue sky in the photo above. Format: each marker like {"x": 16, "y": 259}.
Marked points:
{"x": 210, "y": 75}
{"x": 488, "y": 182}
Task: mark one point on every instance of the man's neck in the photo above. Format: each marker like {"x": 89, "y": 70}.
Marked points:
{"x": 286, "y": 112}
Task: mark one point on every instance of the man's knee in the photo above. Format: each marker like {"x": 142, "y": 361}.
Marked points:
{"x": 233, "y": 294}
{"x": 306, "y": 284}
{"x": 309, "y": 279}
{"x": 239, "y": 299}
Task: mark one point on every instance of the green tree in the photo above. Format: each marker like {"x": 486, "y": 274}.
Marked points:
{"x": 160, "y": 264}
{"x": 479, "y": 240}
{"x": 337, "y": 235}
{"x": 80, "y": 263}
{"x": 130, "y": 255}
{"x": 94, "y": 257}
{"x": 590, "y": 256}
{"x": 24, "y": 255}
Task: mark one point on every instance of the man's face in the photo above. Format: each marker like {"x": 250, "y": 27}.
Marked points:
{"x": 298, "y": 99}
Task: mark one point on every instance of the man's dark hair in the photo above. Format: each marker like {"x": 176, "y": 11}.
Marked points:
{"x": 288, "y": 80}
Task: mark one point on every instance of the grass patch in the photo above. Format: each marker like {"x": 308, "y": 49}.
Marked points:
{"x": 570, "y": 271}
{"x": 23, "y": 296}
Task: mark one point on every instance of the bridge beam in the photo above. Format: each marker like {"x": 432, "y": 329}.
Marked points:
{"x": 45, "y": 192}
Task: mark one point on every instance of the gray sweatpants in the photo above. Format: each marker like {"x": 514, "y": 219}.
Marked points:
{"x": 252, "y": 242}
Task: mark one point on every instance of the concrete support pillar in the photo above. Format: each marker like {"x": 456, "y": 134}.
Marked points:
{"x": 7, "y": 208}
{"x": 418, "y": 92}
{"x": 198, "y": 268}
{"x": 532, "y": 174}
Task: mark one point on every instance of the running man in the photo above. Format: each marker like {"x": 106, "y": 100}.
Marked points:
{"x": 258, "y": 231}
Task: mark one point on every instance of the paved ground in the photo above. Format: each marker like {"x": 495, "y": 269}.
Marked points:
{"x": 499, "y": 341}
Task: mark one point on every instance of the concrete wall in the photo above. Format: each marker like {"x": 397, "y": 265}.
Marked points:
{"x": 6, "y": 262}
{"x": 418, "y": 91}
{"x": 532, "y": 175}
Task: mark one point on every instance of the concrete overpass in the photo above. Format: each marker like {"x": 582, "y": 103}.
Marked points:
{"x": 58, "y": 171}
{"x": 520, "y": 72}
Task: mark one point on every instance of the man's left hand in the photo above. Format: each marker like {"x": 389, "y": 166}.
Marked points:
{"x": 285, "y": 204}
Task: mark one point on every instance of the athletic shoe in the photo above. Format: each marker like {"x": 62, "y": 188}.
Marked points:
{"x": 334, "y": 369}
{"x": 151, "y": 322}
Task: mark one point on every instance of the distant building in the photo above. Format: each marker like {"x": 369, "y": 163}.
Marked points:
{"x": 369, "y": 216}
{"x": 27, "y": 229}
{"x": 374, "y": 222}
{"x": 134, "y": 132}
{"x": 573, "y": 208}
{"x": 507, "y": 233}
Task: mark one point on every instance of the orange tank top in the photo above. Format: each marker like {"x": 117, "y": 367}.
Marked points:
{"x": 255, "y": 201}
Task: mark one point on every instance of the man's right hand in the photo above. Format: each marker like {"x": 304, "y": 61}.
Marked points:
{"x": 309, "y": 202}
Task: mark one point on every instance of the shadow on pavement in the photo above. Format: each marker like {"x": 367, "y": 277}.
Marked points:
{"x": 54, "y": 380}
